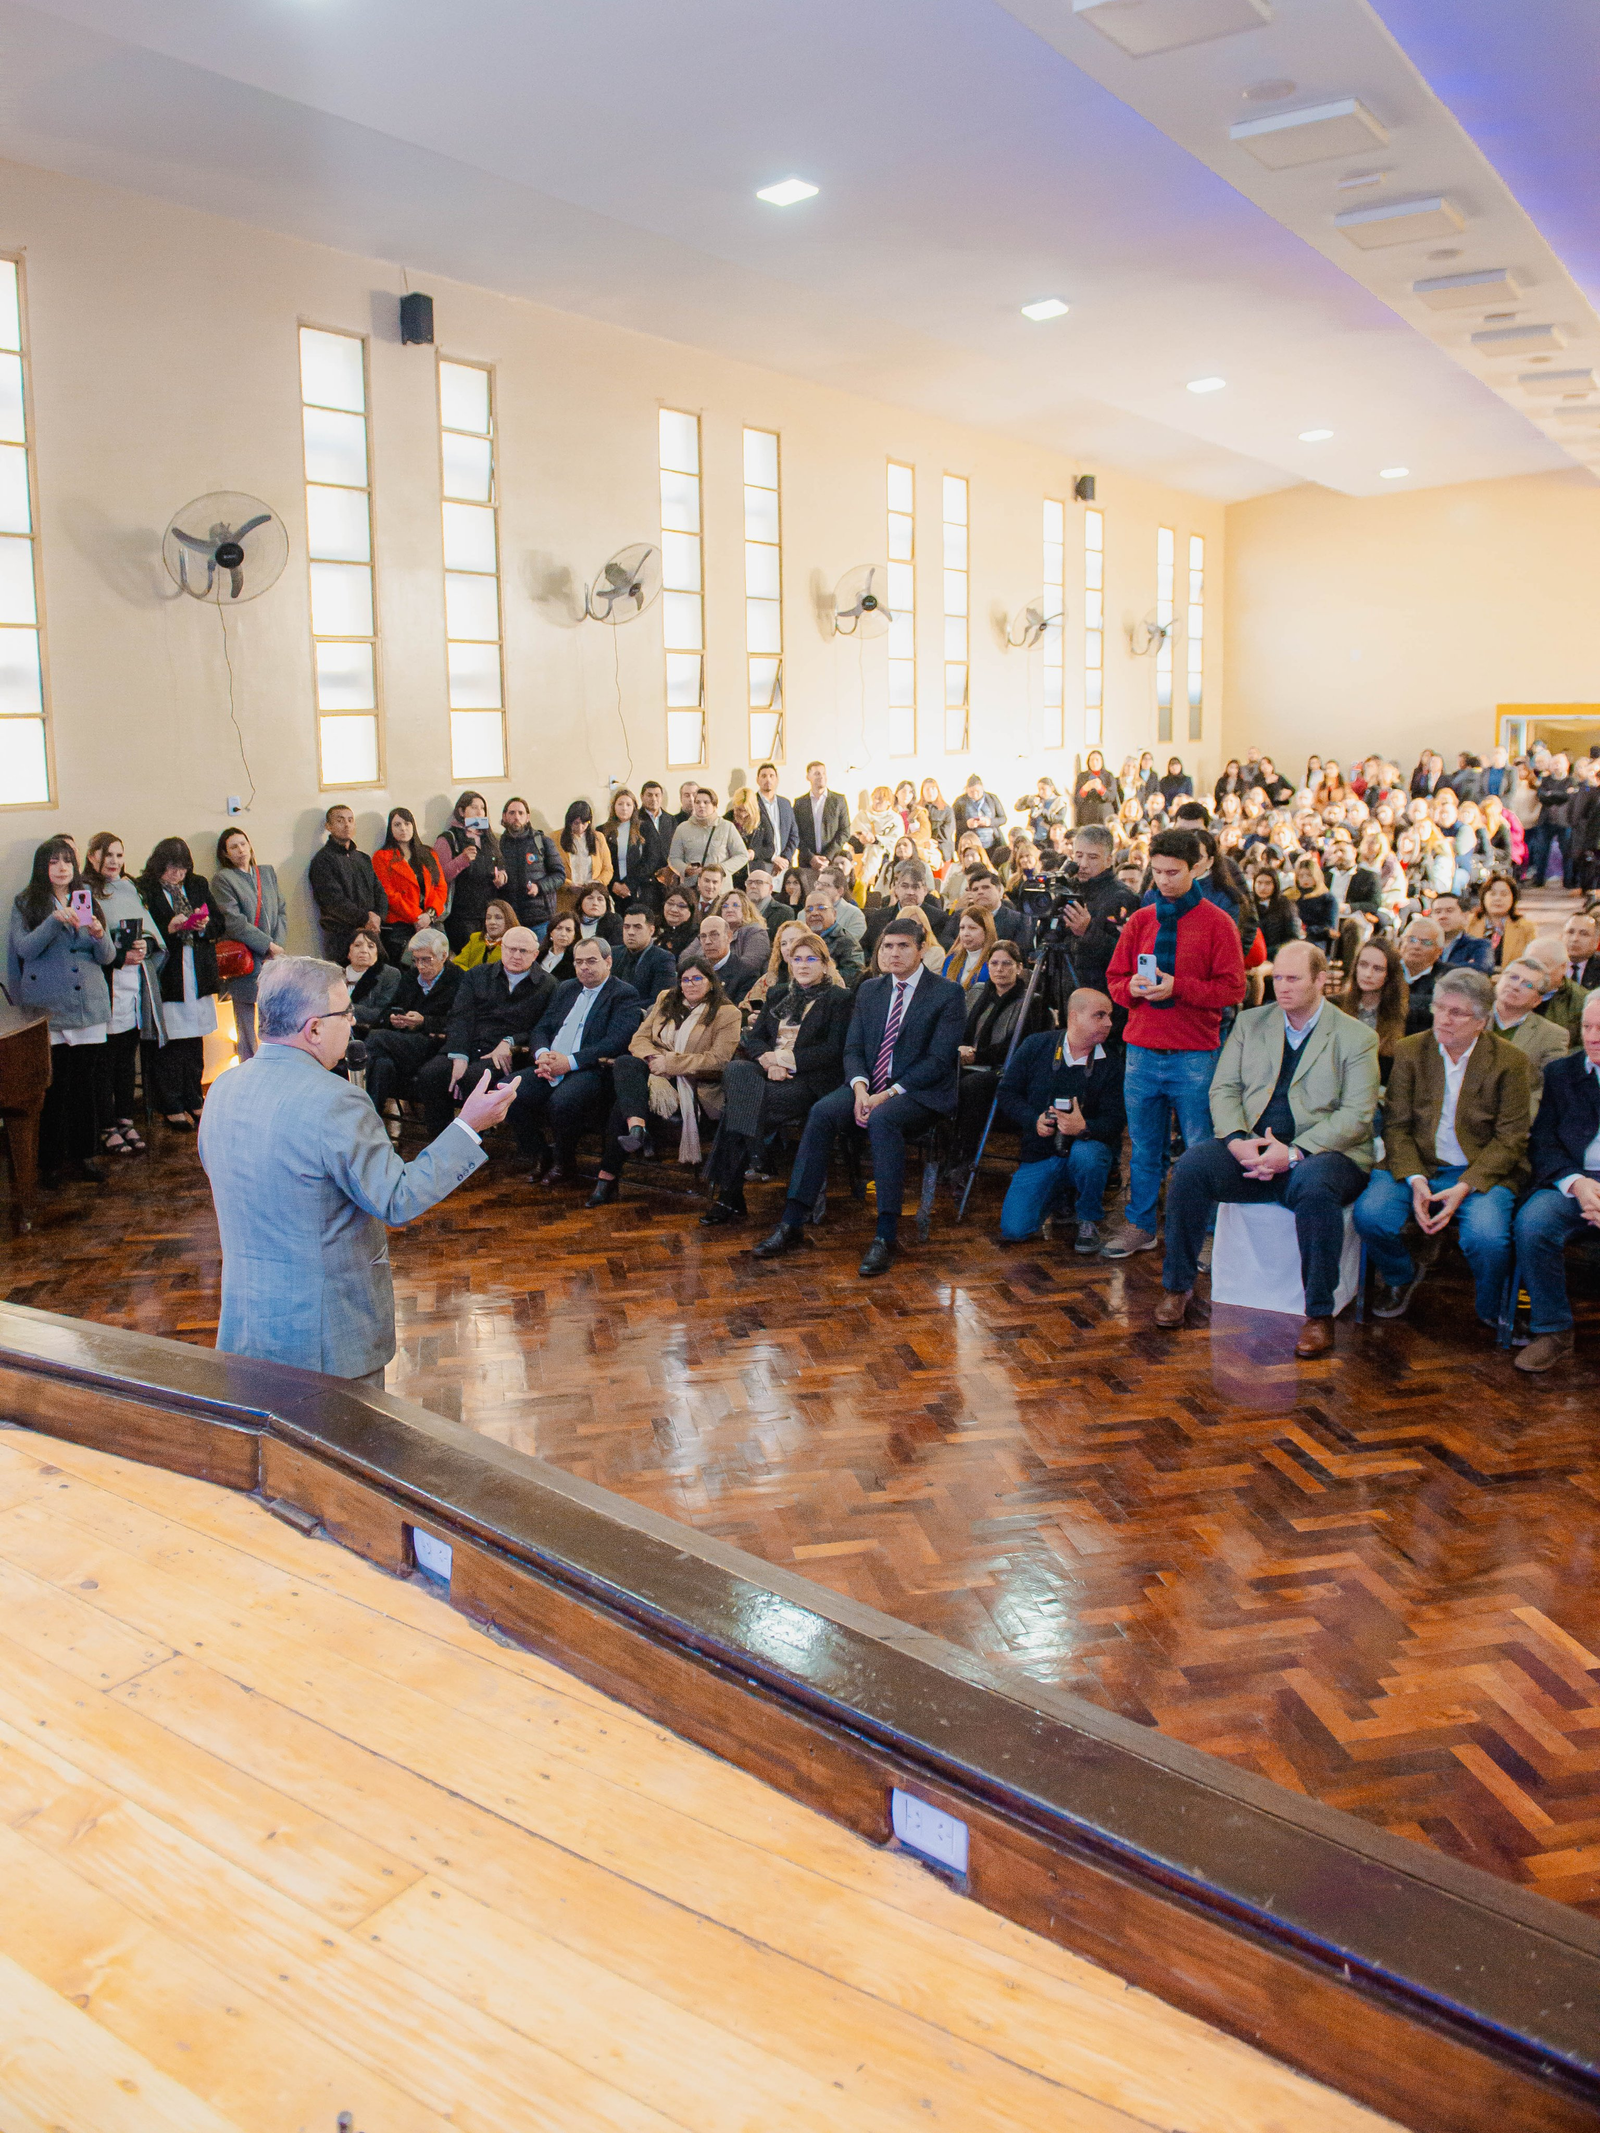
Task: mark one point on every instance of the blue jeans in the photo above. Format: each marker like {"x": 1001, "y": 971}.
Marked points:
{"x": 1546, "y": 1223}
{"x": 1037, "y": 1189}
{"x": 1155, "y": 1083}
{"x": 1483, "y": 1220}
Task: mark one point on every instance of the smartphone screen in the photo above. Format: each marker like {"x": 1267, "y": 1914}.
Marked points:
{"x": 82, "y": 903}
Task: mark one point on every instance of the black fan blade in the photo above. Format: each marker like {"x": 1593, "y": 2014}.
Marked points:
{"x": 262, "y": 518}
{"x": 236, "y": 580}
{"x": 191, "y": 540}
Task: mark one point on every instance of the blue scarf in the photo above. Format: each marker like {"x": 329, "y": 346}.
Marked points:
{"x": 1168, "y": 912}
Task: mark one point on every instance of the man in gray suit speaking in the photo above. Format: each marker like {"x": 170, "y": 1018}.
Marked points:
{"x": 305, "y": 1178}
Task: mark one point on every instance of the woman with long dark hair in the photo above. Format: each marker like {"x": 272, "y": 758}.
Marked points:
{"x": 1276, "y": 914}
{"x": 179, "y": 900}
{"x": 469, "y": 858}
{"x": 1096, "y": 794}
{"x": 412, "y": 880}
{"x": 135, "y": 1002}
{"x": 941, "y": 818}
{"x": 255, "y": 915}
{"x": 57, "y": 956}
{"x": 678, "y": 922}
{"x": 1318, "y": 907}
{"x": 556, "y": 946}
{"x": 994, "y": 1012}
{"x": 1377, "y": 994}
{"x": 585, "y": 855}
{"x": 596, "y": 918}
{"x": 673, "y": 1068}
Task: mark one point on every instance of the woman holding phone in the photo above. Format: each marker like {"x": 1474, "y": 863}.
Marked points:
{"x": 468, "y": 853}
{"x": 135, "y": 1002}
{"x": 57, "y": 956}
{"x": 179, "y": 900}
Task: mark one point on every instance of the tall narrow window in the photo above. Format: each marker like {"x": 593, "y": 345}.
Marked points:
{"x": 471, "y": 572}
{"x": 1055, "y": 602}
{"x": 683, "y": 597}
{"x": 1196, "y": 633}
{"x": 24, "y": 743}
{"x": 763, "y": 595}
{"x": 1166, "y": 566}
{"x": 956, "y": 671}
{"x": 1094, "y": 629}
{"x": 903, "y": 609}
{"x": 344, "y": 631}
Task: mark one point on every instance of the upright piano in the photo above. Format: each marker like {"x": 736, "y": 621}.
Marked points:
{"x": 24, "y": 1077}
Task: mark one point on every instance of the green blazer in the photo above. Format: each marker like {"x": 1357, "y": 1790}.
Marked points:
{"x": 1493, "y": 1112}
{"x": 1565, "y": 1008}
{"x": 1539, "y": 1040}
{"x": 1334, "y": 1092}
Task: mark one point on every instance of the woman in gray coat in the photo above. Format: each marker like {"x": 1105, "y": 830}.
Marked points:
{"x": 57, "y": 956}
{"x": 254, "y": 913}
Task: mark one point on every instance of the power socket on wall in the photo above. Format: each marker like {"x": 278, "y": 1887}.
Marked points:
{"x": 235, "y": 804}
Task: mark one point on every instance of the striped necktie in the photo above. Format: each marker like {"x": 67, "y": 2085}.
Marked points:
{"x": 891, "y": 1030}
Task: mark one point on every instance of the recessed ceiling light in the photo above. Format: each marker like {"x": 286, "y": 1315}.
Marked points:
{"x": 1270, "y": 92}
{"x": 1047, "y": 307}
{"x": 1286, "y": 139}
{"x": 788, "y": 193}
{"x": 1207, "y": 385}
{"x": 1393, "y": 473}
{"x": 1362, "y": 180}
{"x": 1315, "y": 436}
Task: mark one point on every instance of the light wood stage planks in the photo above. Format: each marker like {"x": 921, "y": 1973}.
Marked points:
{"x": 281, "y": 1837}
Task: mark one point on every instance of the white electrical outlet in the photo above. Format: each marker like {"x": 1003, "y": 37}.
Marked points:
{"x": 928, "y": 1830}
{"x": 432, "y": 1555}
{"x": 235, "y": 804}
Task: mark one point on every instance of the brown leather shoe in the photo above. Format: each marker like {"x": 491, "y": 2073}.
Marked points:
{"x": 1545, "y": 1352}
{"x": 1174, "y": 1303}
{"x": 1316, "y": 1338}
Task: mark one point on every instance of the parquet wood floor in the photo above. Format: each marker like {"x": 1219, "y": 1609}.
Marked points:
{"x": 1372, "y": 1579}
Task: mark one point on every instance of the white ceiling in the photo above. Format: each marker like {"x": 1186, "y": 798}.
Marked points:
{"x": 971, "y": 157}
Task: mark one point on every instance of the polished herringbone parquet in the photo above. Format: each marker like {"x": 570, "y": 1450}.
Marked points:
{"x": 1372, "y": 1579}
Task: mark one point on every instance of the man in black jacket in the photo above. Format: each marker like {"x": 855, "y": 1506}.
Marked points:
{"x": 1277, "y": 788}
{"x": 977, "y": 809}
{"x": 657, "y": 826}
{"x": 1580, "y": 937}
{"x": 641, "y": 961}
{"x": 349, "y": 897}
{"x": 776, "y": 836}
{"x": 985, "y": 893}
{"x": 913, "y": 891}
{"x": 495, "y": 1008}
{"x": 1557, "y": 791}
{"x": 413, "y": 1029}
{"x": 1063, "y": 1093}
{"x": 533, "y": 867}
{"x": 822, "y": 819}
{"x": 1564, "y": 1154}
{"x": 770, "y": 909}
{"x": 714, "y": 947}
{"x": 1098, "y": 907}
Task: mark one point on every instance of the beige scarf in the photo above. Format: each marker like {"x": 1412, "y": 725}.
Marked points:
{"x": 675, "y": 1098}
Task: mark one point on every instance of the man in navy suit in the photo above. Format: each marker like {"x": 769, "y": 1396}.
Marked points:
{"x": 589, "y": 1022}
{"x": 776, "y": 836}
{"x": 1461, "y": 951}
{"x": 822, "y": 819}
{"x": 900, "y": 1065}
{"x": 1564, "y": 1152}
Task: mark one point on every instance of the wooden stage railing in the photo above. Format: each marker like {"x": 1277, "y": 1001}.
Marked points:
{"x": 1454, "y": 2002}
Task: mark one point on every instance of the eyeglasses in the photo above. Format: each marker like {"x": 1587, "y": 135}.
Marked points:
{"x": 330, "y": 1014}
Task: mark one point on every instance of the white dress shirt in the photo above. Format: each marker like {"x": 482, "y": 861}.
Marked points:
{"x": 1446, "y": 1147}
{"x": 1591, "y": 1155}
{"x": 1293, "y": 1037}
{"x": 569, "y": 1036}
{"x": 817, "y": 806}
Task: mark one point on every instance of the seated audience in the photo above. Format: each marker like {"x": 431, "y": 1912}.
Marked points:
{"x": 776, "y": 975}
{"x": 747, "y": 932}
{"x": 673, "y": 1069}
{"x": 985, "y": 895}
{"x": 1461, "y": 950}
{"x": 1063, "y": 1093}
{"x": 587, "y": 1025}
{"x": 1316, "y": 907}
{"x": 764, "y": 900}
{"x": 346, "y": 889}
{"x": 932, "y": 951}
{"x": 1497, "y": 922}
{"x": 994, "y": 1017}
{"x": 1292, "y": 1106}
{"x": 484, "y": 946}
{"x": 910, "y": 888}
{"x": 967, "y": 963}
{"x": 641, "y": 962}
{"x": 835, "y": 881}
{"x": 1580, "y": 937}
{"x": 679, "y": 924}
{"x": 1563, "y": 1000}
{"x": 822, "y": 916}
{"x": 491, "y": 1018}
{"x": 585, "y": 855}
{"x": 373, "y": 982}
{"x": 414, "y": 888}
{"x": 1564, "y": 1156}
{"x": 402, "y": 1043}
{"x": 1455, "y": 1131}
{"x": 596, "y": 918}
{"x": 1516, "y": 999}
{"x": 714, "y": 948}
{"x": 1376, "y": 994}
{"x": 1277, "y": 915}
{"x": 1421, "y": 947}
{"x": 900, "y": 1065}
{"x": 556, "y": 944}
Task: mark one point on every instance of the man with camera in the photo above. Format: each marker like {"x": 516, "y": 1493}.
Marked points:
{"x": 1093, "y": 905}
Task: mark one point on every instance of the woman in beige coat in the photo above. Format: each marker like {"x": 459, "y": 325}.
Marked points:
{"x": 672, "y": 1067}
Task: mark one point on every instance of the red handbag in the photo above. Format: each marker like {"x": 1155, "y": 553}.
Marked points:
{"x": 234, "y": 959}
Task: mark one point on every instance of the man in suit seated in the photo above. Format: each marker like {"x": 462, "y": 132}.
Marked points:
{"x": 568, "y": 1089}
{"x": 1517, "y": 994}
{"x": 822, "y": 916}
{"x": 1564, "y": 1154}
{"x": 985, "y": 893}
{"x": 776, "y": 837}
{"x": 496, "y": 1007}
{"x": 1580, "y": 938}
{"x": 848, "y": 915}
{"x": 1455, "y": 1132}
{"x": 1292, "y": 1104}
{"x": 900, "y": 1064}
{"x": 1421, "y": 946}
{"x": 913, "y": 890}
{"x": 770, "y": 909}
{"x": 1063, "y": 1093}
{"x": 641, "y": 961}
{"x": 714, "y": 947}
{"x": 1461, "y": 951}
{"x": 1563, "y": 1001}
{"x": 822, "y": 818}
{"x": 412, "y": 1031}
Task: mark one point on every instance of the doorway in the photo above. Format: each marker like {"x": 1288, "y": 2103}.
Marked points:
{"x": 1571, "y": 728}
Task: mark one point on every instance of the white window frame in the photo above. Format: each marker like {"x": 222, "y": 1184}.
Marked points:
{"x": 900, "y": 499}
{"x": 1094, "y": 626}
{"x": 1053, "y": 533}
{"x": 325, "y": 716}
{"x": 1166, "y": 589}
{"x": 683, "y": 605}
{"x": 29, "y": 635}
{"x": 955, "y": 498}
{"x": 763, "y": 609}
{"x": 469, "y": 759}
{"x": 1195, "y": 626}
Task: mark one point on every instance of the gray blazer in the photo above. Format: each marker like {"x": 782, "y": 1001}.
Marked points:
{"x": 57, "y": 970}
{"x": 236, "y": 899}
{"x": 304, "y": 1179}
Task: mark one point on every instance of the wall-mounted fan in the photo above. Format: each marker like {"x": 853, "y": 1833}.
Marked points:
{"x": 860, "y": 606}
{"x": 1028, "y": 625}
{"x": 225, "y": 548}
{"x": 1146, "y": 638}
{"x": 627, "y": 584}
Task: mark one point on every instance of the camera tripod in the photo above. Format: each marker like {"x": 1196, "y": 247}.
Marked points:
{"x": 1055, "y": 973}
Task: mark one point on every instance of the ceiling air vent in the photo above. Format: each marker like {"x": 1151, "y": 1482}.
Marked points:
{"x": 1144, "y": 27}
{"x": 1452, "y": 292}
{"x": 1289, "y": 138}
{"x": 1399, "y": 222}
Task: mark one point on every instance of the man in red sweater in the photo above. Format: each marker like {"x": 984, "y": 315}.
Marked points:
{"x": 1176, "y": 967}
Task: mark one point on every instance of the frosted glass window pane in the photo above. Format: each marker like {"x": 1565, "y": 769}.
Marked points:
{"x": 902, "y": 731}
{"x": 955, "y": 592}
{"x": 474, "y": 676}
{"x": 763, "y": 680}
{"x": 10, "y": 306}
{"x": 472, "y": 608}
{"x": 761, "y": 575}
{"x": 1054, "y": 563}
{"x": 761, "y": 514}
{"x": 336, "y": 448}
{"x": 20, "y": 692}
{"x": 349, "y": 751}
{"x": 339, "y": 525}
{"x": 341, "y": 600}
{"x": 900, "y": 550}
{"x": 1094, "y": 529}
{"x": 1055, "y": 521}
{"x": 955, "y": 638}
{"x": 477, "y": 745}
{"x": 331, "y": 370}
{"x": 763, "y": 623}
{"x": 469, "y": 537}
{"x": 24, "y": 770}
{"x": 685, "y": 736}
{"x": 15, "y": 515}
{"x": 764, "y": 731}
{"x": 955, "y": 501}
{"x": 344, "y": 677}
{"x": 903, "y": 636}
{"x": 11, "y": 429}
{"x": 1094, "y": 570}
{"x": 761, "y": 458}
{"x": 682, "y": 621}
{"x": 1053, "y": 688}
{"x": 1094, "y": 610}
{"x": 464, "y": 398}
{"x": 1197, "y": 551}
{"x": 1091, "y": 692}
{"x": 955, "y": 728}
{"x": 1197, "y": 628}
{"x": 1164, "y": 547}
{"x": 683, "y": 677}
{"x": 1093, "y": 649}
{"x": 680, "y": 562}
{"x": 901, "y": 587}
{"x": 468, "y": 467}
{"x": 955, "y": 548}
{"x": 900, "y": 489}
{"x": 902, "y": 682}
{"x": 680, "y": 442}
{"x": 16, "y": 582}
{"x": 680, "y": 502}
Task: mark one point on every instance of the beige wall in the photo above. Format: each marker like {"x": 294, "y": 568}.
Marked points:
{"x": 165, "y": 365}
{"x": 1399, "y": 622}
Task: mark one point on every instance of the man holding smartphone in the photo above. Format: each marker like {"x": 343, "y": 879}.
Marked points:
{"x": 1063, "y": 1093}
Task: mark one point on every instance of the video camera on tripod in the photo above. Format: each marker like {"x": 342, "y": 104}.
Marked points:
{"x": 1045, "y": 898}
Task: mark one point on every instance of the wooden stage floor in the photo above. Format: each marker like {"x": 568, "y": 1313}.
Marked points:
{"x": 281, "y": 1837}
{"x": 1372, "y": 1579}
